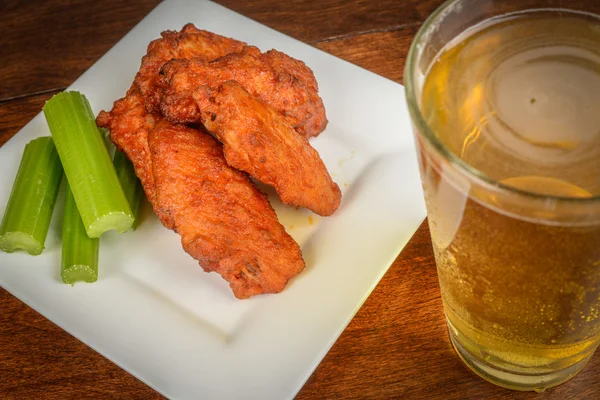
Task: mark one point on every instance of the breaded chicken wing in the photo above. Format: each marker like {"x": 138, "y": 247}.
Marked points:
{"x": 129, "y": 124}
{"x": 190, "y": 42}
{"x": 132, "y": 117}
{"x": 284, "y": 83}
{"x": 258, "y": 140}
{"x": 224, "y": 221}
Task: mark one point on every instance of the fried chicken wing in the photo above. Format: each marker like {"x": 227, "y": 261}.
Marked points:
{"x": 129, "y": 124}
{"x": 224, "y": 221}
{"x": 132, "y": 117}
{"x": 286, "y": 84}
{"x": 190, "y": 42}
{"x": 258, "y": 140}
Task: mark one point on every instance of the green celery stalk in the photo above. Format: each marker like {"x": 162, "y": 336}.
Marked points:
{"x": 110, "y": 146}
{"x": 130, "y": 183}
{"x": 79, "y": 251}
{"x": 31, "y": 202}
{"x": 87, "y": 164}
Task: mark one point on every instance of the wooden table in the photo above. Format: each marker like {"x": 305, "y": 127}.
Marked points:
{"x": 397, "y": 345}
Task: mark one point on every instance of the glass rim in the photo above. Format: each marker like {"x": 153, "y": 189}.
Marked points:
{"x": 425, "y": 131}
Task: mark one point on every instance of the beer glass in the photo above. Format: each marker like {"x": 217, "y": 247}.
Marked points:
{"x": 504, "y": 98}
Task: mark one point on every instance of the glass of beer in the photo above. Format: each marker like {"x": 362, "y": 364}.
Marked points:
{"x": 505, "y": 102}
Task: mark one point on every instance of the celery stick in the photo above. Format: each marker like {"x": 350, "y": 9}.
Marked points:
{"x": 79, "y": 252}
{"x": 87, "y": 164}
{"x": 29, "y": 210}
{"x": 130, "y": 183}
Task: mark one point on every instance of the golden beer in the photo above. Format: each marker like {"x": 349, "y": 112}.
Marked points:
{"x": 512, "y": 197}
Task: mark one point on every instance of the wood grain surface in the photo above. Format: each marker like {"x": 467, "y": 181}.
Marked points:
{"x": 397, "y": 344}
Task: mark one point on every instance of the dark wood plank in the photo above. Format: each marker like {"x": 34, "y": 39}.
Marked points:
{"x": 14, "y": 114}
{"x": 47, "y": 45}
{"x": 313, "y": 21}
{"x": 382, "y": 53}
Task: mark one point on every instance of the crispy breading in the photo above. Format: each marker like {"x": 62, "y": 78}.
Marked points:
{"x": 258, "y": 140}
{"x": 224, "y": 221}
{"x": 129, "y": 123}
{"x": 188, "y": 43}
{"x": 132, "y": 117}
{"x": 279, "y": 80}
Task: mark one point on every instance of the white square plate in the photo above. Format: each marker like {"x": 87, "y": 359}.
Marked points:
{"x": 155, "y": 313}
